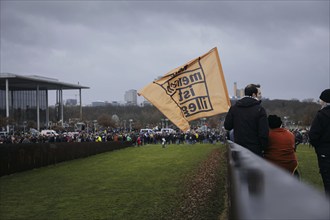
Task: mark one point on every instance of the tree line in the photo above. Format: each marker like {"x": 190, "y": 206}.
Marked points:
{"x": 291, "y": 111}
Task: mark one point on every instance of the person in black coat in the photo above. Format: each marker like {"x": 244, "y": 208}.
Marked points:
{"x": 248, "y": 119}
{"x": 319, "y": 136}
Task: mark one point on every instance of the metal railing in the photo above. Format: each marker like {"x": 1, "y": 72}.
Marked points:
{"x": 260, "y": 190}
{"x": 21, "y": 157}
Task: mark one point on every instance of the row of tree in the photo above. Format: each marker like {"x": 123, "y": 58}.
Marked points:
{"x": 292, "y": 112}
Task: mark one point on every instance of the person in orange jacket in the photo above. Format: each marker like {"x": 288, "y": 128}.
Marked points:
{"x": 281, "y": 145}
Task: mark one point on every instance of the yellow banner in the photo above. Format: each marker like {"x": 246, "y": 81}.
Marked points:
{"x": 194, "y": 90}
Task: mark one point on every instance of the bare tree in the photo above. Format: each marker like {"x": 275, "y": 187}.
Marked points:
{"x": 105, "y": 120}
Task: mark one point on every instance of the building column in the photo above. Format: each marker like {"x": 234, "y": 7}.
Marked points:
{"x": 38, "y": 108}
{"x": 58, "y": 106}
{"x": 61, "y": 106}
{"x": 7, "y": 103}
{"x": 47, "y": 110}
{"x": 80, "y": 104}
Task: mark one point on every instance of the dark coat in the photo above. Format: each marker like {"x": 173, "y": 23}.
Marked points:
{"x": 319, "y": 134}
{"x": 249, "y": 121}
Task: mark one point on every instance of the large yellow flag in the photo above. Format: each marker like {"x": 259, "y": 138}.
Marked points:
{"x": 194, "y": 90}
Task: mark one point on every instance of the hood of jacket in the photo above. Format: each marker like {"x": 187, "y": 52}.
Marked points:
{"x": 247, "y": 102}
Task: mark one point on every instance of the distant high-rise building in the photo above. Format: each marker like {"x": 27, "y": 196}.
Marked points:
{"x": 235, "y": 89}
{"x": 115, "y": 103}
{"x": 98, "y": 103}
{"x": 71, "y": 102}
{"x": 131, "y": 97}
{"x": 238, "y": 93}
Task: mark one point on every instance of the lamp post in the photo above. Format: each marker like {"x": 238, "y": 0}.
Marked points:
{"x": 166, "y": 121}
{"x": 203, "y": 126}
{"x": 162, "y": 120}
{"x": 222, "y": 120}
{"x": 24, "y": 125}
{"x": 130, "y": 125}
{"x": 286, "y": 118}
{"x": 94, "y": 124}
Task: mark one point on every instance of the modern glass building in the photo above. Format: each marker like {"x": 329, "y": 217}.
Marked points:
{"x": 25, "y": 98}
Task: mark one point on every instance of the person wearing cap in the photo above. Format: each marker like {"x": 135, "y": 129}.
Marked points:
{"x": 319, "y": 136}
{"x": 248, "y": 119}
{"x": 281, "y": 145}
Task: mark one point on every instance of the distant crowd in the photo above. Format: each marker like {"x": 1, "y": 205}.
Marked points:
{"x": 115, "y": 135}
{"x": 136, "y": 137}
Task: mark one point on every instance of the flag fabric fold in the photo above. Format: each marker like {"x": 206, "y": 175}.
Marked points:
{"x": 194, "y": 90}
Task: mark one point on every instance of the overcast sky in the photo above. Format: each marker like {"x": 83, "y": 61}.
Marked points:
{"x": 113, "y": 46}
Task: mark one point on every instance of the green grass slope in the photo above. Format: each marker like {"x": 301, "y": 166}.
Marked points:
{"x": 134, "y": 183}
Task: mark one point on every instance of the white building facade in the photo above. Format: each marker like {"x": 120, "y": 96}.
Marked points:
{"x": 131, "y": 97}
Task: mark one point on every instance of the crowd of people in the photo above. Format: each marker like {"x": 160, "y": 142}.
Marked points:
{"x": 178, "y": 137}
{"x": 264, "y": 135}
{"x": 137, "y": 138}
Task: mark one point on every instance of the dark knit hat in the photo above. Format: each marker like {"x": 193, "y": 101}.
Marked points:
{"x": 325, "y": 96}
{"x": 274, "y": 121}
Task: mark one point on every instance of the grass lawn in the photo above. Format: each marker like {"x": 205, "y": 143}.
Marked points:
{"x": 308, "y": 167}
{"x": 133, "y": 183}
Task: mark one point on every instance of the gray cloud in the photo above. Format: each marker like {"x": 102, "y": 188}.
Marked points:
{"x": 116, "y": 46}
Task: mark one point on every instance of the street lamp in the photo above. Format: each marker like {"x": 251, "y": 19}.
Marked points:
{"x": 24, "y": 125}
{"x": 166, "y": 121}
{"x": 162, "y": 120}
{"x": 203, "y": 126}
{"x": 203, "y": 121}
{"x": 94, "y": 123}
{"x": 286, "y": 119}
{"x": 222, "y": 120}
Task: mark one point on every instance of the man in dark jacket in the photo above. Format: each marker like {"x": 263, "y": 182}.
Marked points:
{"x": 319, "y": 136}
{"x": 249, "y": 121}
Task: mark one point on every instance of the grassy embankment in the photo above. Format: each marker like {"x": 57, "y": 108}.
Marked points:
{"x": 135, "y": 183}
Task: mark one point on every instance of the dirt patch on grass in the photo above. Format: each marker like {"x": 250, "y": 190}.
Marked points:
{"x": 205, "y": 191}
